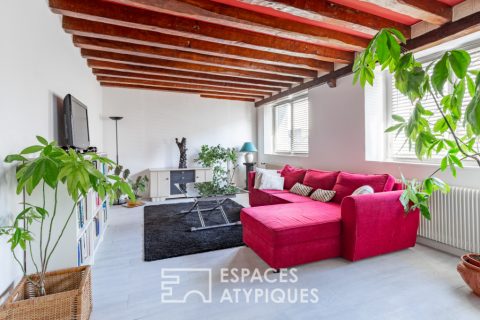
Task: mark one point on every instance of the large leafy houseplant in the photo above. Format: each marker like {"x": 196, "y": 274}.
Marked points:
{"x": 219, "y": 159}
{"x": 53, "y": 168}
{"x": 449, "y": 130}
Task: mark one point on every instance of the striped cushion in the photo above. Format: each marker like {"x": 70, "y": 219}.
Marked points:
{"x": 301, "y": 189}
{"x": 323, "y": 195}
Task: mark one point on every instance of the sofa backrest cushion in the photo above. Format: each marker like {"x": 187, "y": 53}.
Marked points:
{"x": 292, "y": 175}
{"x": 347, "y": 183}
{"x": 318, "y": 179}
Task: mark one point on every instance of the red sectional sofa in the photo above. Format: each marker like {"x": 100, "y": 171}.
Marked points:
{"x": 286, "y": 229}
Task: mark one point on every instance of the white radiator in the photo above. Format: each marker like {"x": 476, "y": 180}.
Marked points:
{"x": 455, "y": 219}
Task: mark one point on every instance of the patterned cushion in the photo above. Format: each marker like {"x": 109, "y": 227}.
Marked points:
{"x": 301, "y": 189}
{"x": 323, "y": 195}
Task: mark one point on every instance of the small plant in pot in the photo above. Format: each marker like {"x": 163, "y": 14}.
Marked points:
{"x": 45, "y": 293}
{"x": 139, "y": 186}
{"x": 223, "y": 161}
{"x": 123, "y": 174}
{"x": 449, "y": 129}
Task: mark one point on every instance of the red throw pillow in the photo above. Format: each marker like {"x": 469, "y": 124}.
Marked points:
{"x": 318, "y": 179}
{"x": 292, "y": 175}
{"x": 349, "y": 182}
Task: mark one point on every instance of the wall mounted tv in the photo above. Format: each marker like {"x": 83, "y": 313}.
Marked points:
{"x": 76, "y": 123}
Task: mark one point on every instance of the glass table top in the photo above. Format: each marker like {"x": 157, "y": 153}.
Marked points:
{"x": 208, "y": 190}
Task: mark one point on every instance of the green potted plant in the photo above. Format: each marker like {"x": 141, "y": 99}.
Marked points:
{"x": 52, "y": 168}
{"x": 122, "y": 173}
{"x": 139, "y": 185}
{"x": 448, "y": 130}
{"x": 223, "y": 161}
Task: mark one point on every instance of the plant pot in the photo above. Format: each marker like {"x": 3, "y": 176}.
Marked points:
{"x": 472, "y": 258}
{"x": 470, "y": 273}
{"x": 133, "y": 204}
{"x": 69, "y": 296}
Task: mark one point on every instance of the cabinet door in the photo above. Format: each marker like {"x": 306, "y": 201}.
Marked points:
{"x": 180, "y": 176}
{"x": 208, "y": 175}
{"x": 163, "y": 183}
{"x": 200, "y": 176}
{"x": 153, "y": 184}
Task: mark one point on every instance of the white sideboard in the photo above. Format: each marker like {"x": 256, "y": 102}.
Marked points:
{"x": 162, "y": 180}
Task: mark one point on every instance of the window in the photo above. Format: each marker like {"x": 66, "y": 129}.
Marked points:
{"x": 290, "y": 124}
{"x": 400, "y": 105}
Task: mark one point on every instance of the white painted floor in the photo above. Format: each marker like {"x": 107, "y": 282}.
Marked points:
{"x": 418, "y": 283}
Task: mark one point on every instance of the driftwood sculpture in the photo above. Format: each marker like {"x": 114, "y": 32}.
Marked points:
{"x": 182, "y": 146}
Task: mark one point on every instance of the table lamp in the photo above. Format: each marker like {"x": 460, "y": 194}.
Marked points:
{"x": 248, "y": 148}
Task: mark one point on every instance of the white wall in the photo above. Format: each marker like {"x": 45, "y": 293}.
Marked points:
{"x": 38, "y": 66}
{"x": 153, "y": 119}
{"x": 337, "y": 138}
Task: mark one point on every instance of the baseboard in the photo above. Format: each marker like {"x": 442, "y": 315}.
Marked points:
{"x": 441, "y": 246}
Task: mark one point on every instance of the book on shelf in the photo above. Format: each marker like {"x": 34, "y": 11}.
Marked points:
{"x": 81, "y": 213}
{"x": 98, "y": 200}
{"x": 97, "y": 226}
{"x": 105, "y": 211}
{"x": 84, "y": 248}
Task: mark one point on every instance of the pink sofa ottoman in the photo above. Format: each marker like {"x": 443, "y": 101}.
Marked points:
{"x": 286, "y": 235}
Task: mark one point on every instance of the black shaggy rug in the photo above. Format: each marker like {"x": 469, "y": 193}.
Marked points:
{"x": 167, "y": 231}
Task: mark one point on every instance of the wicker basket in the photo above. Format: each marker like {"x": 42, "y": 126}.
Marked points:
{"x": 69, "y": 297}
{"x": 470, "y": 274}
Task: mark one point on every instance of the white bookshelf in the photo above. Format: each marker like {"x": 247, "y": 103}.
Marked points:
{"x": 83, "y": 234}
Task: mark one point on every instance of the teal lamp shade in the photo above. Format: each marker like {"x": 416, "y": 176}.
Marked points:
{"x": 248, "y": 147}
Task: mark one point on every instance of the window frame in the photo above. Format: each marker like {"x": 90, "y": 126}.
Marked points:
{"x": 290, "y": 101}
{"x": 389, "y": 156}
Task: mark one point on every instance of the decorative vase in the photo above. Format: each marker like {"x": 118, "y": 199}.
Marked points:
{"x": 470, "y": 272}
{"x": 69, "y": 296}
{"x": 182, "y": 147}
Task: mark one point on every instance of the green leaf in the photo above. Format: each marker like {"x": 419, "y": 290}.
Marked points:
{"x": 394, "y": 128}
{"x": 444, "y": 163}
{"x": 440, "y": 126}
{"x": 15, "y": 157}
{"x": 398, "y": 118}
{"x": 42, "y": 140}
{"x": 440, "y": 74}
{"x": 32, "y": 149}
{"x": 456, "y": 161}
{"x": 472, "y": 114}
{"x": 425, "y": 211}
{"x": 459, "y": 60}
{"x": 398, "y": 34}
{"x": 453, "y": 170}
{"x": 471, "y": 86}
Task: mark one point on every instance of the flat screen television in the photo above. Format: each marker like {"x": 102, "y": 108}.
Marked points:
{"x": 76, "y": 123}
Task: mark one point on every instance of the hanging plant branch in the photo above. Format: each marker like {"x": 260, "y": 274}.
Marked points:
{"x": 440, "y": 137}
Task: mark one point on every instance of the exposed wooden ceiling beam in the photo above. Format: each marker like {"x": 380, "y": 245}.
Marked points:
{"x": 136, "y": 86}
{"x": 176, "y": 65}
{"x": 118, "y": 66}
{"x": 112, "y": 32}
{"x": 134, "y": 75}
{"x": 153, "y": 21}
{"x": 178, "y": 55}
{"x": 434, "y": 12}
{"x": 333, "y": 14}
{"x": 182, "y": 85}
{"x": 208, "y": 96}
{"x": 218, "y": 13}
{"x": 445, "y": 33}
{"x": 442, "y": 34}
